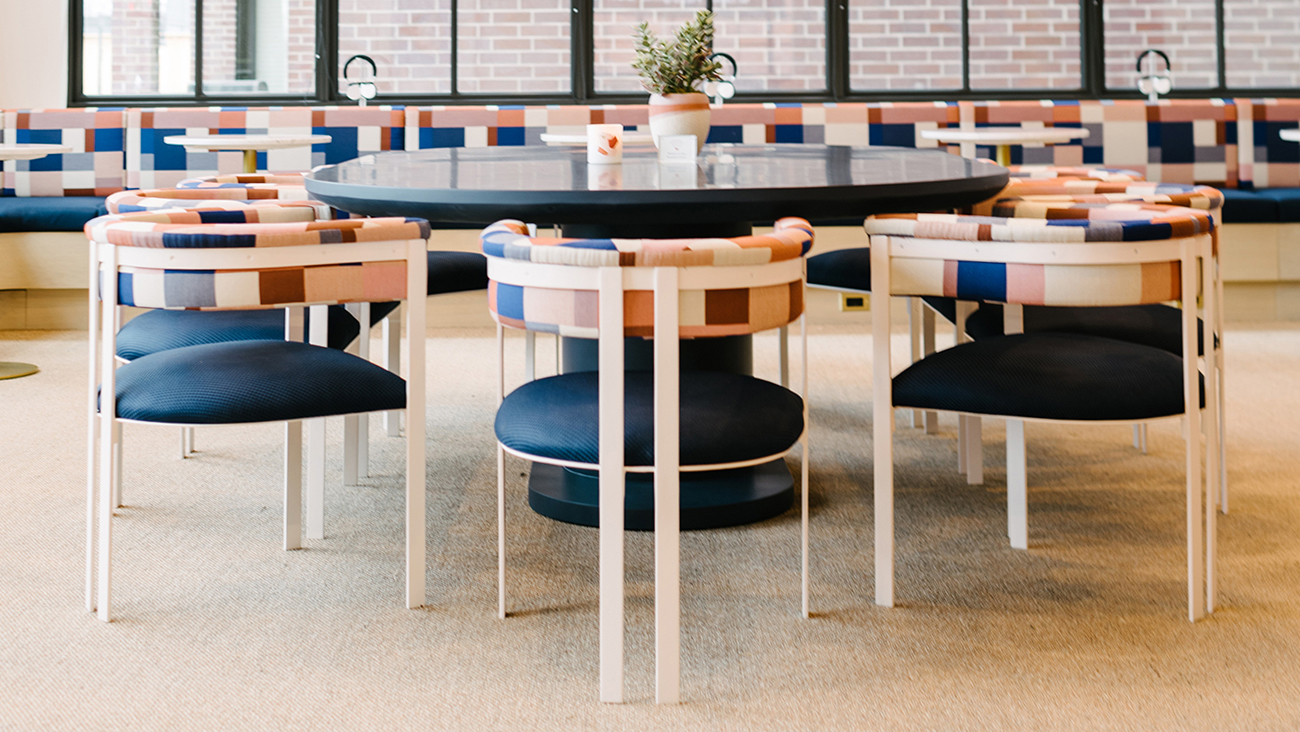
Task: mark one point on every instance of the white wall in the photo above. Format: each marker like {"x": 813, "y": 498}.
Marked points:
{"x": 33, "y": 54}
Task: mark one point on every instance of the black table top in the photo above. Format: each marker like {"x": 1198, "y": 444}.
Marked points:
{"x": 736, "y": 183}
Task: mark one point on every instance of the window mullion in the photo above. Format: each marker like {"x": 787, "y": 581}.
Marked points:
{"x": 582, "y": 55}
{"x": 965, "y": 46}
{"x": 198, "y": 50}
{"x": 837, "y": 48}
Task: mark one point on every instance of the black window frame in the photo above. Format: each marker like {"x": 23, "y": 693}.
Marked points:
{"x": 582, "y": 81}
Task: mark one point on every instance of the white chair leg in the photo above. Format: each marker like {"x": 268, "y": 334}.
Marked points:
{"x": 1192, "y": 421}
{"x": 501, "y": 482}
{"x": 1137, "y": 435}
{"x": 107, "y": 432}
{"x": 351, "y": 443}
{"x": 314, "y": 501}
{"x": 92, "y": 426}
{"x": 667, "y": 488}
{"x": 363, "y": 420}
{"x": 392, "y": 333}
{"x": 612, "y": 484}
{"x": 931, "y": 419}
{"x": 974, "y": 451}
{"x": 530, "y": 355}
{"x": 117, "y": 465}
{"x": 416, "y": 468}
{"x": 962, "y": 437}
{"x": 883, "y": 424}
{"x": 1017, "y": 486}
{"x": 803, "y": 468}
{"x": 292, "y": 485}
{"x": 1211, "y": 426}
{"x": 185, "y": 444}
{"x": 915, "y": 308}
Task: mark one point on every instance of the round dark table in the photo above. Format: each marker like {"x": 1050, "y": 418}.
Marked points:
{"x": 727, "y": 189}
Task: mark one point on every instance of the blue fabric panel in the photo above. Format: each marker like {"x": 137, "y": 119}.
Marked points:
{"x": 788, "y": 133}
{"x": 1158, "y": 326}
{"x": 162, "y": 330}
{"x": 125, "y": 291}
{"x": 1047, "y": 376}
{"x": 724, "y": 418}
{"x": 165, "y": 156}
{"x": 1093, "y": 155}
{"x": 109, "y": 139}
{"x": 848, "y": 269}
{"x": 1279, "y": 150}
{"x": 456, "y": 272}
{"x": 981, "y": 281}
{"x": 253, "y": 381}
{"x": 1287, "y": 200}
{"x": 203, "y": 241}
{"x": 431, "y": 137}
{"x": 54, "y": 213}
{"x": 1147, "y": 231}
{"x": 397, "y": 138}
{"x": 510, "y": 301}
{"x": 898, "y": 135}
{"x": 510, "y": 136}
{"x": 1248, "y": 207}
{"x": 1176, "y": 145}
{"x": 726, "y": 133}
{"x": 342, "y": 145}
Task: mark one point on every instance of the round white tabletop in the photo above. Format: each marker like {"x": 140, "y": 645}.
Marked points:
{"x": 25, "y": 151}
{"x": 1005, "y": 137}
{"x": 1292, "y": 135}
{"x": 249, "y": 144}
{"x": 31, "y": 151}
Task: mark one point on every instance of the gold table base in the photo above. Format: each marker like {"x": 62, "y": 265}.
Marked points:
{"x": 13, "y": 369}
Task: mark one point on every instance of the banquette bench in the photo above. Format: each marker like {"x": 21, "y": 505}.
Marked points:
{"x": 1232, "y": 144}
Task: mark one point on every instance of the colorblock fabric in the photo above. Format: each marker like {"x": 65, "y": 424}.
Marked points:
{"x": 1037, "y": 284}
{"x": 1039, "y": 172}
{"x": 95, "y": 167}
{"x": 211, "y": 212}
{"x": 143, "y": 201}
{"x": 141, "y": 230}
{"x": 244, "y": 180}
{"x": 702, "y": 313}
{"x": 508, "y": 239}
{"x": 262, "y": 288}
{"x": 153, "y": 163}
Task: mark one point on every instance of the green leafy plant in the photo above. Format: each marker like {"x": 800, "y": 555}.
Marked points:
{"x": 675, "y": 68}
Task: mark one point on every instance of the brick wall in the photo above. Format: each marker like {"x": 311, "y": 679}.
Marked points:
{"x": 1184, "y": 30}
{"x": 409, "y": 41}
{"x": 134, "y": 43}
{"x": 513, "y": 46}
{"x": 1262, "y": 39}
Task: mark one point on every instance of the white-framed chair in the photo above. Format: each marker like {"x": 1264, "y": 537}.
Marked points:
{"x": 661, "y": 422}
{"x": 1151, "y": 256}
{"x": 237, "y": 266}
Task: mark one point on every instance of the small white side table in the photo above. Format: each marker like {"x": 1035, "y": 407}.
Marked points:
{"x": 25, "y": 151}
{"x": 249, "y": 144}
{"x": 1005, "y": 137}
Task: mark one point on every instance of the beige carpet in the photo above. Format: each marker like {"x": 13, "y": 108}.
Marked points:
{"x": 219, "y": 629}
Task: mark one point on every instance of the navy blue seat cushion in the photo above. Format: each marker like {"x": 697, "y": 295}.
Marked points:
{"x": 1287, "y": 200}
{"x": 1158, "y": 326}
{"x": 725, "y": 418}
{"x": 253, "y": 381}
{"x": 55, "y": 213}
{"x": 1248, "y": 207}
{"x": 847, "y": 269}
{"x": 1047, "y": 376}
{"x": 163, "y": 330}
{"x": 456, "y": 272}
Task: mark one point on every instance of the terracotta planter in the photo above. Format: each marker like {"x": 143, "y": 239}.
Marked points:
{"x": 680, "y": 114}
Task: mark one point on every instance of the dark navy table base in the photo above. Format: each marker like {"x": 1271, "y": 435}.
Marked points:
{"x": 709, "y": 500}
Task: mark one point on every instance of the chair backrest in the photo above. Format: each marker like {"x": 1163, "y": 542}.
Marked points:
{"x": 1057, "y": 172}
{"x": 245, "y": 180}
{"x": 139, "y": 200}
{"x": 1202, "y": 198}
{"x": 756, "y": 282}
{"x": 1107, "y": 256}
{"x": 175, "y": 259}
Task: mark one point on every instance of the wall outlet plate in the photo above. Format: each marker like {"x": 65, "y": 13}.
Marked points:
{"x": 850, "y": 302}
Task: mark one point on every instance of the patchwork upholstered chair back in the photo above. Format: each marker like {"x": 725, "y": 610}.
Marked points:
{"x": 177, "y": 260}
{"x": 712, "y": 305}
{"x": 1092, "y": 259}
{"x": 95, "y": 167}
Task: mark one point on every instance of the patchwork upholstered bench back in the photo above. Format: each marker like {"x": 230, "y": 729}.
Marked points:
{"x": 94, "y": 167}
{"x": 1268, "y": 161}
{"x": 153, "y": 163}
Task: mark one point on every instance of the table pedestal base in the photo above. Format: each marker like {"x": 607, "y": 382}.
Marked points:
{"x": 709, "y": 500}
{"x": 13, "y": 369}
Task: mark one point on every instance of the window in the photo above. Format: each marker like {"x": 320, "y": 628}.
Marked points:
{"x": 579, "y": 51}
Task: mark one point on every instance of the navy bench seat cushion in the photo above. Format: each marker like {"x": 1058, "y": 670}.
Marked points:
{"x": 725, "y": 418}
{"x": 1287, "y": 201}
{"x": 456, "y": 272}
{"x": 54, "y": 213}
{"x": 1047, "y": 376}
{"x": 253, "y": 381}
{"x": 1247, "y": 207}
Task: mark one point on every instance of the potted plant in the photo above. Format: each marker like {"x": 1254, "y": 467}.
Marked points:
{"x": 671, "y": 73}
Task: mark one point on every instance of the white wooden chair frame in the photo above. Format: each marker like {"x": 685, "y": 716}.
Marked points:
{"x": 666, "y": 283}
{"x": 104, "y": 446}
{"x": 1191, "y": 252}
